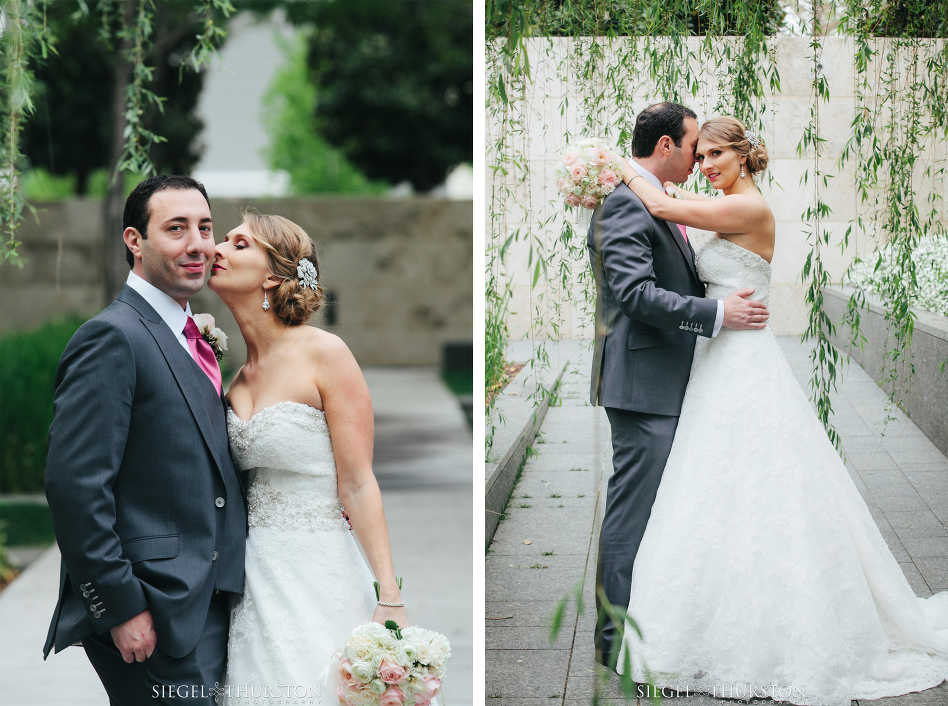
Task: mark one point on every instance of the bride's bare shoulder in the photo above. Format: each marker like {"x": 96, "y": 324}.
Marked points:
{"x": 323, "y": 347}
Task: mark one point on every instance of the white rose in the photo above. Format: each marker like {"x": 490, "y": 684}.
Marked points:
{"x": 363, "y": 671}
{"x": 608, "y": 188}
{"x": 220, "y": 337}
{"x": 204, "y": 322}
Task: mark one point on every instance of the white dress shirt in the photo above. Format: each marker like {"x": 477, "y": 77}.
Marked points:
{"x": 653, "y": 180}
{"x": 168, "y": 309}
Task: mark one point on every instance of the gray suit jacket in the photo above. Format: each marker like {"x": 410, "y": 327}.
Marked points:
{"x": 650, "y": 305}
{"x": 147, "y": 507}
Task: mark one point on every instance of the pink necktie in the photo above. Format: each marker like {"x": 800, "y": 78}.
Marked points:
{"x": 683, "y": 233}
{"x": 203, "y": 354}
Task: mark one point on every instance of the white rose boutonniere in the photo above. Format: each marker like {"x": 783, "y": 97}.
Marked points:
{"x": 216, "y": 338}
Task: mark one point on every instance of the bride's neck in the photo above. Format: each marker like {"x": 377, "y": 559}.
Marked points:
{"x": 261, "y": 329}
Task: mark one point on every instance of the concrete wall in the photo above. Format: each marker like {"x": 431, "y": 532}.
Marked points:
{"x": 553, "y": 108}
{"x": 400, "y": 272}
{"x": 926, "y": 396}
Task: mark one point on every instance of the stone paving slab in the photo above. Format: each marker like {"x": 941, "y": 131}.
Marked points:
{"x": 899, "y": 472}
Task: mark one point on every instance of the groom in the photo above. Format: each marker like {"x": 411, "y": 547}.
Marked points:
{"x": 147, "y": 508}
{"x": 650, "y": 307}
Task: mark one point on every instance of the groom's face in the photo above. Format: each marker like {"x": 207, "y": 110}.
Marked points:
{"x": 682, "y": 159}
{"x": 180, "y": 245}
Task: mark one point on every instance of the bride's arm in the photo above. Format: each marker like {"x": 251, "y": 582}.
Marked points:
{"x": 684, "y": 193}
{"x": 348, "y": 409}
{"x": 735, "y": 213}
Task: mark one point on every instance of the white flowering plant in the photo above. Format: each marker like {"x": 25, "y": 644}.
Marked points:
{"x": 384, "y": 665}
{"x": 587, "y": 173}
{"x": 930, "y": 258}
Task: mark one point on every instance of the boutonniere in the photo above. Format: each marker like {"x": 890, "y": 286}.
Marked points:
{"x": 215, "y": 338}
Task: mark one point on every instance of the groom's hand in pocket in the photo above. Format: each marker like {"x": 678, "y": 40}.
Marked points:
{"x": 136, "y": 638}
{"x": 739, "y": 313}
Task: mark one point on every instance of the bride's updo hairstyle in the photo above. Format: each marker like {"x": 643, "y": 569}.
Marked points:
{"x": 287, "y": 245}
{"x": 731, "y": 132}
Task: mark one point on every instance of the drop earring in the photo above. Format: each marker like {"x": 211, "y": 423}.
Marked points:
{"x": 742, "y": 176}
{"x": 266, "y": 302}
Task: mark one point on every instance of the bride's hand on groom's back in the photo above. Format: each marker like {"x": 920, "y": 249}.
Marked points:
{"x": 742, "y": 314}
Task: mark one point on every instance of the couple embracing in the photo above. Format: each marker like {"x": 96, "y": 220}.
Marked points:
{"x": 733, "y": 533}
{"x": 205, "y": 549}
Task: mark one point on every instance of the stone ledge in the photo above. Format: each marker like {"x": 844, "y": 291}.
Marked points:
{"x": 925, "y": 401}
{"x": 522, "y": 419}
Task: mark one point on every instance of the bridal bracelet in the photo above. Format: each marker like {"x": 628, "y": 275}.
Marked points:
{"x": 392, "y": 605}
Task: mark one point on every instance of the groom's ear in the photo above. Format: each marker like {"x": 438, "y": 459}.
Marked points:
{"x": 133, "y": 241}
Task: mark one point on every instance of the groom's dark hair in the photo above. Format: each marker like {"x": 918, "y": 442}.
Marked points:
{"x": 654, "y": 122}
{"x": 137, "y": 213}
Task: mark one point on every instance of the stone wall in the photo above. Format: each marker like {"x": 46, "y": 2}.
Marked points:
{"x": 399, "y": 272}
{"x": 925, "y": 398}
{"x": 554, "y": 108}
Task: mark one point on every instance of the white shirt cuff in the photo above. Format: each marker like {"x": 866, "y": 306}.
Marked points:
{"x": 719, "y": 319}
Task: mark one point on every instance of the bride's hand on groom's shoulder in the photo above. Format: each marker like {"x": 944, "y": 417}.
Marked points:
{"x": 383, "y": 613}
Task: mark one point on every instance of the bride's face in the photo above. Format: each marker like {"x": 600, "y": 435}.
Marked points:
{"x": 720, "y": 164}
{"x": 240, "y": 265}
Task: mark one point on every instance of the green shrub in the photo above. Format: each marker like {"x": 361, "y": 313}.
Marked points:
{"x": 26, "y": 524}
{"x": 28, "y": 363}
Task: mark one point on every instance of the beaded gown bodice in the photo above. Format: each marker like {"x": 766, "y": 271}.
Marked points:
{"x": 725, "y": 267}
{"x": 286, "y": 452}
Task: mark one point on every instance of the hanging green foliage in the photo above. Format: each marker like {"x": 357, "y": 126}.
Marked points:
{"x": 125, "y": 26}
{"x": 613, "y": 57}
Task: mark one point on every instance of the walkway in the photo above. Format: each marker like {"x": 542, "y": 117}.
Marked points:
{"x": 548, "y": 542}
{"x": 423, "y": 463}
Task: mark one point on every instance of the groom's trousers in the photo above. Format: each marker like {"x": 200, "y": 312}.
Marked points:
{"x": 640, "y": 446}
{"x": 161, "y": 678}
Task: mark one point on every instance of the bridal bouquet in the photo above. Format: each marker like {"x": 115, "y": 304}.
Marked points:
{"x": 587, "y": 173}
{"x": 384, "y": 665}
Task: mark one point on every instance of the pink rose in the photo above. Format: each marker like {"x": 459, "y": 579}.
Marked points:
{"x": 345, "y": 674}
{"x": 392, "y": 673}
{"x": 572, "y": 200}
{"x": 570, "y": 157}
{"x": 393, "y": 696}
{"x": 343, "y": 694}
{"x": 600, "y": 156}
{"x": 432, "y": 687}
{"x": 422, "y": 701}
{"x": 559, "y": 184}
{"x": 607, "y": 176}
{"x": 589, "y": 201}
{"x": 577, "y": 172}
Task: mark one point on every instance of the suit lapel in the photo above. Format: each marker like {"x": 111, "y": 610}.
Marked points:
{"x": 685, "y": 248}
{"x": 187, "y": 373}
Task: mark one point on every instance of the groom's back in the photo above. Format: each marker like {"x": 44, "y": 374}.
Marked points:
{"x": 642, "y": 355}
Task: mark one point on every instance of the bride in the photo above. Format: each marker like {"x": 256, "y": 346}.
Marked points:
{"x": 300, "y": 425}
{"x": 761, "y": 571}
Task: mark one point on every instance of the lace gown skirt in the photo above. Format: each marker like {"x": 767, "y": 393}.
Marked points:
{"x": 761, "y": 564}
{"x": 305, "y": 590}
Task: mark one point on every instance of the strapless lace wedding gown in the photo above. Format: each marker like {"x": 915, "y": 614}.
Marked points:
{"x": 761, "y": 565}
{"x": 307, "y": 585}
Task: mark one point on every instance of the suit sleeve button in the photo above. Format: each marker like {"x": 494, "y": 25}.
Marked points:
{"x": 214, "y": 558}
{"x": 219, "y": 502}
{"x": 86, "y": 594}
{"x": 97, "y": 614}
